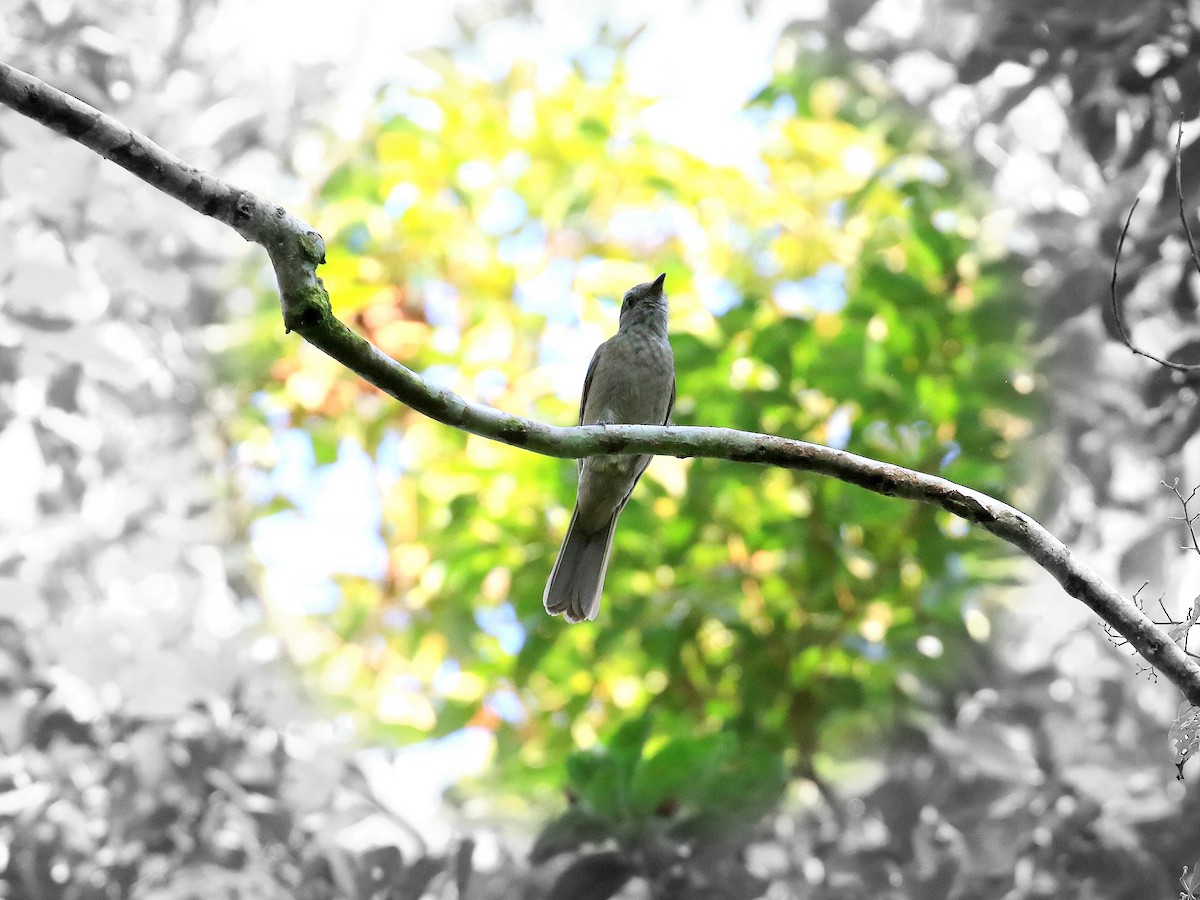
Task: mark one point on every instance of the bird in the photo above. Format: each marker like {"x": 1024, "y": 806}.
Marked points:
{"x": 630, "y": 381}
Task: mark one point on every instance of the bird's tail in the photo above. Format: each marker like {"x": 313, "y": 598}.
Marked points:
{"x": 578, "y": 575}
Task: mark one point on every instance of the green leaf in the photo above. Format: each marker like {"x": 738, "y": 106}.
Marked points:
{"x": 596, "y": 780}
{"x": 679, "y": 772}
{"x": 625, "y": 746}
{"x": 744, "y": 791}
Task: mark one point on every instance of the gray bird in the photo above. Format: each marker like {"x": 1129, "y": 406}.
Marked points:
{"x": 630, "y": 381}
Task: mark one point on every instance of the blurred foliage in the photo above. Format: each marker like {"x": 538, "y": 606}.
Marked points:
{"x": 1075, "y": 108}
{"x": 210, "y": 796}
{"x": 151, "y": 746}
{"x": 841, "y": 289}
{"x": 1012, "y": 795}
{"x": 686, "y": 798}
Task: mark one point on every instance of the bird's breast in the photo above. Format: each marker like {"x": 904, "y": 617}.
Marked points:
{"x": 632, "y": 381}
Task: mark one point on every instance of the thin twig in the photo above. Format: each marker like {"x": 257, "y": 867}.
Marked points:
{"x": 1179, "y": 630}
{"x": 1187, "y": 229}
{"x": 1118, "y": 313}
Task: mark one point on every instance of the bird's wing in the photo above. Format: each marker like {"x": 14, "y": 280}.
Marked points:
{"x": 587, "y": 381}
{"x": 670, "y": 403}
{"x": 587, "y": 386}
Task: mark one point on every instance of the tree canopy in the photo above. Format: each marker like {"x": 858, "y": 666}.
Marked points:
{"x": 843, "y": 289}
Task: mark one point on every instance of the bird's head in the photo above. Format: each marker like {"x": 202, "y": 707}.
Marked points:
{"x": 645, "y": 303}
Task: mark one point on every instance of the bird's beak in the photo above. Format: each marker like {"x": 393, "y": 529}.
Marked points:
{"x": 658, "y": 282}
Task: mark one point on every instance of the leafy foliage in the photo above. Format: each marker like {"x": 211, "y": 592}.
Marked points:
{"x": 150, "y": 747}
{"x": 1012, "y": 794}
{"x": 178, "y": 805}
{"x": 687, "y": 798}
{"x": 1073, "y": 137}
{"x": 845, "y": 294}
{"x": 685, "y": 787}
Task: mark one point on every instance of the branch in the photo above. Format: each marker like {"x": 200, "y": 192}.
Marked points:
{"x": 1118, "y": 312}
{"x": 296, "y": 250}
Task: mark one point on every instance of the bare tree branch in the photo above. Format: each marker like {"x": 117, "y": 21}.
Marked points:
{"x": 1187, "y": 229}
{"x": 1118, "y": 312}
{"x": 296, "y": 250}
